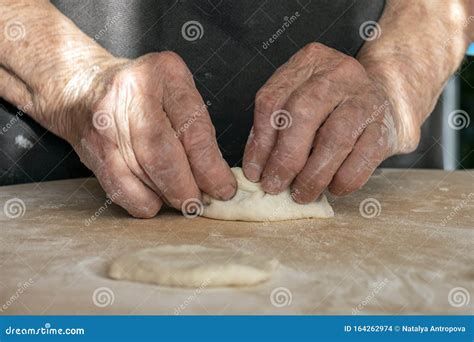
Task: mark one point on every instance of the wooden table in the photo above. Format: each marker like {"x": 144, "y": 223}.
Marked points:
{"x": 406, "y": 259}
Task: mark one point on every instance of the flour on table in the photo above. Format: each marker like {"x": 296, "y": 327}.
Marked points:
{"x": 251, "y": 203}
{"x": 193, "y": 266}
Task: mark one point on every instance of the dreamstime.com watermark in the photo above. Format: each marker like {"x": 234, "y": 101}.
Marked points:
{"x": 382, "y": 109}
{"x": 195, "y": 115}
{"x": 20, "y": 112}
{"x": 356, "y": 310}
{"x": 14, "y": 30}
{"x": 370, "y": 30}
{"x": 102, "y": 120}
{"x": 459, "y": 32}
{"x": 102, "y": 208}
{"x": 458, "y": 297}
{"x": 193, "y": 296}
{"x": 370, "y": 208}
{"x": 108, "y": 24}
{"x": 192, "y": 30}
{"x": 192, "y": 207}
{"x": 103, "y": 296}
{"x": 277, "y": 211}
{"x": 288, "y": 21}
{"x": 281, "y": 297}
{"x": 21, "y": 288}
{"x": 14, "y": 208}
{"x": 456, "y": 209}
{"x": 458, "y": 119}
{"x": 281, "y": 119}
{"x": 46, "y": 330}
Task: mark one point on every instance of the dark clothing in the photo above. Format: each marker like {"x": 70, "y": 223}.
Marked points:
{"x": 236, "y": 47}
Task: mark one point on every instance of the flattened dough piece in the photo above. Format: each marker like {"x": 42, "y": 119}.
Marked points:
{"x": 251, "y": 203}
{"x": 192, "y": 266}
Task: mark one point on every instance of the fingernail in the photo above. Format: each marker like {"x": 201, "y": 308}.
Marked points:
{"x": 296, "y": 196}
{"x": 252, "y": 171}
{"x": 301, "y": 198}
{"x": 226, "y": 193}
{"x": 271, "y": 184}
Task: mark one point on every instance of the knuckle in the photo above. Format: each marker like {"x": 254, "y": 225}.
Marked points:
{"x": 379, "y": 141}
{"x": 343, "y": 126}
{"x": 301, "y": 193}
{"x": 313, "y": 47}
{"x": 180, "y": 99}
{"x": 139, "y": 209}
{"x": 263, "y": 140}
{"x": 172, "y": 63}
{"x": 351, "y": 65}
{"x": 342, "y": 183}
{"x": 199, "y": 139}
{"x": 413, "y": 141}
{"x": 344, "y": 143}
{"x": 408, "y": 139}
{"x": 176, "y": 98}
{"x": 340, "y": 132}
{"x": 145, "y": 211}
{"x": 131, "y": 200}
{"x": 311, "y": 186}
{"x": 151, "y": 164}
{"x": 90, "y": 151}
{"x": 258, "y": 147}
{"x": 147, "y": 158}
{"x": 317, "y": 183}
{"x": 291, "y": 161}
{"x": 265, "y": 101}
{"x": 300, "y": 105}
{"x": 298, "y": 99}
{"x": 357, "y": 183}
{"x": 328, "y": 141}
{"x": 158, "y": 153}
{"x": 170, "y": 58}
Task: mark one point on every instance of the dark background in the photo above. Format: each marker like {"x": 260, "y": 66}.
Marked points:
{"x": 466, "y": 77}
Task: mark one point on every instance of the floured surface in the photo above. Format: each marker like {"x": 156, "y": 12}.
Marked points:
{"x": 251, "y": 203}
{"x": 192, "y": 266}
{"x": 405, "y": 258}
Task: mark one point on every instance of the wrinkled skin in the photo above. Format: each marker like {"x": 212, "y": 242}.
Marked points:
{"x": 143, "y": 129}
{"x": 342, "y": 126}
{"x": 129, "y": 137}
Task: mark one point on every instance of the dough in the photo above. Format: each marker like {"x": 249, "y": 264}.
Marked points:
{"x": 251, "y": 203}
{"x": 192, "y": 266}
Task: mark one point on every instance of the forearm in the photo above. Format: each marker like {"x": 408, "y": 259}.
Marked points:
{"x": 47, "y": 63}
{"x": 421, "y": 45}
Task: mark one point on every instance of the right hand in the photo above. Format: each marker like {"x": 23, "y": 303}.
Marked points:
{"x": 148, "y": 136}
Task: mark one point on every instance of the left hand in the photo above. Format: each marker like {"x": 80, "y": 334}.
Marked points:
{"x": 320, "y": 121}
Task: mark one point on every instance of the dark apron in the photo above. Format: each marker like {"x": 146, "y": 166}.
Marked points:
{"x": 232, "y": 48}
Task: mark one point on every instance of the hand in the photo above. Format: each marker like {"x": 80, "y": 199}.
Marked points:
{"x": 148, "y": 136}
{"x": 320, "y": 121}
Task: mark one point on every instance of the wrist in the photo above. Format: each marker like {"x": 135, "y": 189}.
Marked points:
{"x": 67, "y": 93}
{"x": 58, "y": 66}
{"x": 406, "y": 122}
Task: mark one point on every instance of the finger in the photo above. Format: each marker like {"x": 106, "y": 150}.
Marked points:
{"x": 14, "y": 91}
{"x": 260, "y": 142}
{"x": 161, "y": 155}
{"x": 369, "y": 151}
{"x": 190, "y": 119}
{"x": 126, "y": 149}
{"x": 333, "y": 143}
{"x": 270, "y": 100}
{"x": 125, "y": 189}
{"x": 307, "y": 107}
